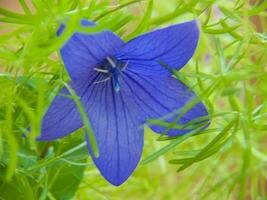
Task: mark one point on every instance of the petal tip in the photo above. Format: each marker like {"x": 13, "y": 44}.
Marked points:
{"x": 42, "y": 138}
{"x": 194, "y": 26}
{"x": 116, "y": 182}
{"x": 47, "y": 137}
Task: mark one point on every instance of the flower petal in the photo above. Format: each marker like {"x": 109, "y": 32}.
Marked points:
{"x": 160, "y": 96}
{"x": 82, "y": 52}
{"x": 62, "y": 116}
{"x": 173, "y": 45}
{"x": 118, "y": 129}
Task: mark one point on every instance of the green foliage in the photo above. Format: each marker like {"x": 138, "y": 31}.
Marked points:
{"x": 228, "y": 72}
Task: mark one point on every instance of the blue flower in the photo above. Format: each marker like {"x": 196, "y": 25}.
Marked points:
{"x": 122, "y": 85}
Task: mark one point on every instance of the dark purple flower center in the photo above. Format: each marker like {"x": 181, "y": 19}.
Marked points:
{"x": 112, "y": 68}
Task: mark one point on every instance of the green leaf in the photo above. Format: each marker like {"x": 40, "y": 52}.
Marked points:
{"x": 20, "y": 188}
{"x": 85, "y": 119}
{"x": 258, "y": 9}
{"x": 170, "y": 146}
{"x": 144, "y": 23}
{"x": 201, "y": 155}
{"x": 66, "y": 172}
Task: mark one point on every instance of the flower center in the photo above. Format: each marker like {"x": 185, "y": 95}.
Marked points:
{"x": 112, "y": 68}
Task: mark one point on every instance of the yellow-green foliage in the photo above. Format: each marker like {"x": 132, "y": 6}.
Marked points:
{"x": 228, "y": 72}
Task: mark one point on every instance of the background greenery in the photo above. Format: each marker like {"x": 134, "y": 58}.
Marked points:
{"x": 228, "y": 71}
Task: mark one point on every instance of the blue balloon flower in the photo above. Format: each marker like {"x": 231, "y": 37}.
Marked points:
{"x": 120, "y": 86}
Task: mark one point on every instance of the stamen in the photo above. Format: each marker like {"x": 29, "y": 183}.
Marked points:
{"x": 101, "y": 81}
{"x": 111, "y": 69}
{"x": 111, "y": 62}
{"x": 117, "y": 87}
{"x": 125, "y": 65}
{"x": 101, "y": 70}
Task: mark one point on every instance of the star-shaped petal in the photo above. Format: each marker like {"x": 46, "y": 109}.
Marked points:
{"x": 121, "y": 86}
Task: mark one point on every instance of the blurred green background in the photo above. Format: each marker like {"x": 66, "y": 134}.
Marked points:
{"x": 228, "y": 71}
